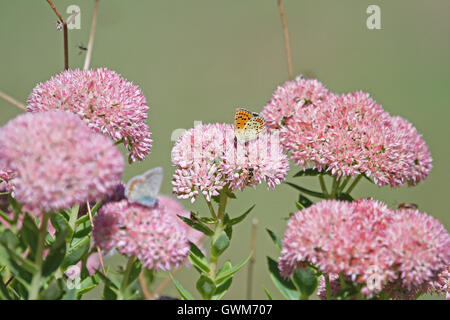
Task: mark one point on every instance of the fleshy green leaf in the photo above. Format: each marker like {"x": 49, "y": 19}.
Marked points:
{"x": 307, "y": 191}
{"x": 53, "y": 292}
{"x": 304, "y": 201}
{"x": 198, "y": 259}
{"x": 134, "y": 273}
{"x": 269, "y": 295}
{"x": 56, "y": 254}
{"x": 220, "y": 244}
{"x": 186, "y": 295}
{"x": 60, "y": 223}
{"x": 286, "y": 287}
{"x": 198, "y": 226}
{"x": 230, "y": 272}
{"x": 345, "y": 197}
{"x": 311, "y": 173}
{"x": 29, "y": 234}
{"x": 241, "y": 217}
{"x": 222, "y": 287}
{"x": 306, "y": 281}
{"x": 76, "y": 252}
{"x": 274, "y": 238}
{"x": 206, "y": 287}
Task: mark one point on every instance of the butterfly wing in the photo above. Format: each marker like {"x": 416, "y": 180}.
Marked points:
{"x": 247, "y": 125}
{"x": 254, "y": 127}
{"x": 241, "y": 118}
{"x": 144, "y": 188}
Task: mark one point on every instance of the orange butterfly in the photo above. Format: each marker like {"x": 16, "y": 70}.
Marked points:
{"x": 247, "y": 125}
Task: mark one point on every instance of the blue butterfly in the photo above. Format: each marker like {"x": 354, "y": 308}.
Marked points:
{"x": 144, "y": 188}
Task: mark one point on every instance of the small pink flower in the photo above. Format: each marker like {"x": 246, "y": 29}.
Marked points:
{"x": 104, "y": 100}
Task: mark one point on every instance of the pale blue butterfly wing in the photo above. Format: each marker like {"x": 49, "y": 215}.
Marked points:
{"x": 144, "y": 188}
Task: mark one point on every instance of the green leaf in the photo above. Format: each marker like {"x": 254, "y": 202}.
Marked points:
{"x": 207, "y": 220}
{"x": 299, "y": 205}
{"x": 16, "y": 206}
{"x": 198, "y": 226}
{"x": 345, "y": 197}
{"x": 9, "y": 239}
{"x": 60, "y": 223}
{"x": 198, "y": 259}
{"x": 134, "y": 273}
{"x": 24, "y": 262}
{"x": 228, "y": 273}
{"x": 228, "y": 226}
{"x": 76, "y": 253}
{"x": 87, "y": 285}
{"x": 304, "y": 201}
{"x": 307, "y": 191}
{"x": 222, "y": 287}
{"x": 230, "y": 194}
{"x": 206, "y": 287}
{"x": 56, "y": 254}
{"x": 269, "y": 295}
{"x": 274, "y": 238}
{"x": 286, "y": 287}
{"x": 311, "y": 173}
{"x": 226, "y": 266}
{"x": 53, "y": 292}
{"x": 306, "y": 281}
{"x": 241, "y": 217}
{"x": 29, "y": 234}
{"x": 220, "y": 244}
{"x": 110, "y": 293}
{"x": 186, "y": 295}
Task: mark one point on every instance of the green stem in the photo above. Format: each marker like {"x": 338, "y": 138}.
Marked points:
{"x": 327, "y": 287}
{"x": 211, "y": 209}
{"x": 36, "y": 281}
{"x": 218, "y": 230}
{"x": 353, "y": 185}
{"x": 126, "y": 276}
{"x": 334, "y": 188}
{"x": 344, "y": 184}
{"x": 323, "y": 186}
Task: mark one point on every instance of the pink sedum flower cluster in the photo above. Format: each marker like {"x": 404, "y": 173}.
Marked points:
{"x": 207, "y": 159}
{"x": 404, "y": 249}
{"x": 107, "y": 102}
{"x": 347, "y": 134}
{"x": 150, "y": 234}
{"x": 58, "y": 161}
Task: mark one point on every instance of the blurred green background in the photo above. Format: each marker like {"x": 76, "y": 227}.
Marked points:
{"x": 200, "y": 59}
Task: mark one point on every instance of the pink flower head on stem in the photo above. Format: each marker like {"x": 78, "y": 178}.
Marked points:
{"x": 107, "y": 102}
{"x": 58, "y": 160}
{"x": 150, "y": 234}
{"x": 207, "y": 158}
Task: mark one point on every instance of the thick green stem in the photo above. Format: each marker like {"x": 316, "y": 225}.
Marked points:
{"x": 344, "y": 184}
{"x": 126, "y": 276}
{"x": 218, "y": 230}
{"x": 334, "y": 188}
{"x": 327, "y": 287}
{"x": 36, "y": 281}
{"x": 211, "y": 209}
{"x": 353, "y": 185}
{"x": 323, "y": 186}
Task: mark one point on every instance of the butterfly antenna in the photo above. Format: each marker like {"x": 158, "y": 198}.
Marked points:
{"x": 98, "y": 248}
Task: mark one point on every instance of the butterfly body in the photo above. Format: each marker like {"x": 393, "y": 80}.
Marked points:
{"x": 247, "y": 125}
{"x": 144, "y": 189}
